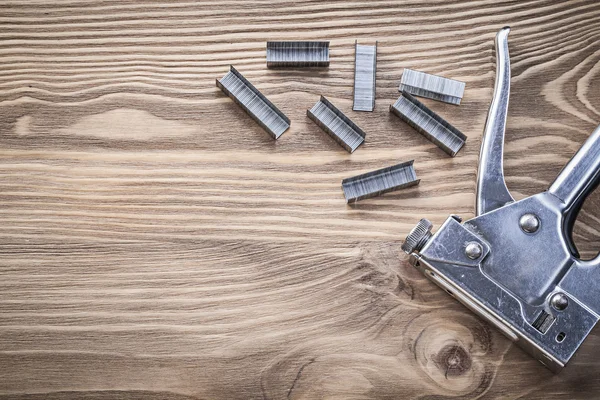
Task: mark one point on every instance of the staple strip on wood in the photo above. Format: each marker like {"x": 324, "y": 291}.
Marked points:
{"x": 254, "y": 103}
{"x": 378, "y": 182}
{"x": 337, "y": 125}
{"x": 297, "y": 54}
{"x": 432, "y": 86}
{"x": 365, "y": 65}
{"x": 429, "y": 124}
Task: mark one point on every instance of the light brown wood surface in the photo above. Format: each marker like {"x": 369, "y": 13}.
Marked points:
{"x": 156, "y": 243}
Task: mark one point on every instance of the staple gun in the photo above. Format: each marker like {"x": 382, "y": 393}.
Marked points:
{"x": 515, "y": 263}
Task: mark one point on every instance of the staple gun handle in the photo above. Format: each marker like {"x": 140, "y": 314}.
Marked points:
{"x": 579, "y": 178}
{"x": 576, "y": 181}
{"x": 492, "y": 192}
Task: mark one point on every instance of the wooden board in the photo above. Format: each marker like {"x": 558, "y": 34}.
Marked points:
{"x": 156, "y": 243}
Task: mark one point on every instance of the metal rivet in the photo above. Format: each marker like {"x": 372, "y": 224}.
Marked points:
{"x": 559, "y": 301}
{"x": 473, "y": 250}
{"x": 530, "y": 223}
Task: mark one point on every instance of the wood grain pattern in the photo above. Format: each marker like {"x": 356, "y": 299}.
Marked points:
{"x": 156, "y": 243}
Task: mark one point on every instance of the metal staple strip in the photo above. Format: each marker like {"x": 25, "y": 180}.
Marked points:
{"x": 336, "y": 124}
{"x": 378, "y": 182}
{"x": 365, "y": 66}
{"x": 432, "y": 86}
{"x": 297, "y": 54}
{"x": 429, "y": 124}
{"x": 254, "y": 103}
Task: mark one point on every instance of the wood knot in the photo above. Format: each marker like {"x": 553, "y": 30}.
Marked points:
{"x": 454, "y": 350}
{"x": 454, "y": 360}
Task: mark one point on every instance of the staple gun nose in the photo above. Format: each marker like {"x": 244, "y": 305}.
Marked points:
{"x": 515, "y": 263}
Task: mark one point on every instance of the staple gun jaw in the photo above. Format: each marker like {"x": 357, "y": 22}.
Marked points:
{"x": 515, "y": 263}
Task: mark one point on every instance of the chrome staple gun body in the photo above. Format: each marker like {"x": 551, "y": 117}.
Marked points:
{"x": 515, "y": 263}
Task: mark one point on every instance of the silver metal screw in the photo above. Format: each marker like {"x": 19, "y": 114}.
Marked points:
{"x": 473, "y": 250}
{"x": 559, "y": 301}
{"x": 529, "y": 223}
